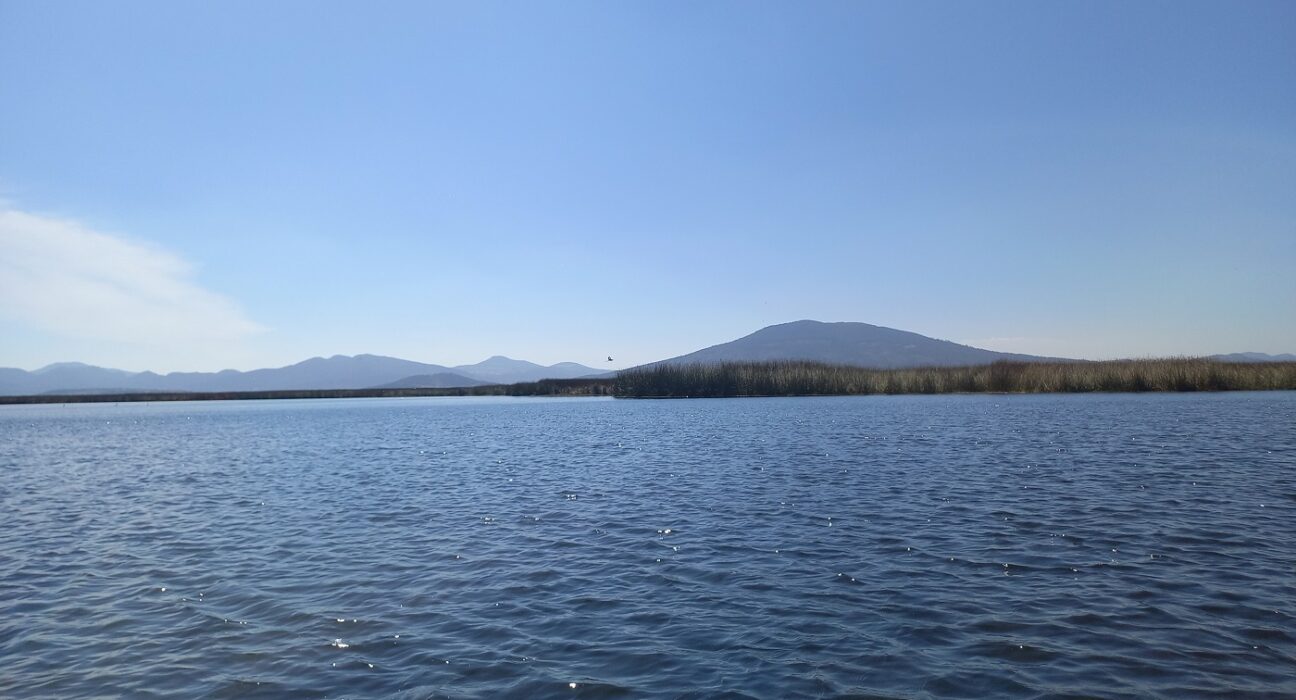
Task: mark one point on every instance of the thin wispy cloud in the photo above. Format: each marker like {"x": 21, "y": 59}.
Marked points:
{"x": 66, "y": 278}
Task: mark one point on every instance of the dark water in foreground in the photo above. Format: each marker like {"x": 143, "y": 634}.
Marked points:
{"x": 948, "y": 546}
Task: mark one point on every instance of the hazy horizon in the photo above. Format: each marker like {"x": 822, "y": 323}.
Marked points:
{"x": 610, "y": 366}
{"x": 238, "y": 186}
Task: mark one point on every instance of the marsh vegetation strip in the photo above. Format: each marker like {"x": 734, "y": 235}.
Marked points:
{"x": 544, "y": 387}
{"x": 1121, "y": 546}
{"x": 816, "y": 379}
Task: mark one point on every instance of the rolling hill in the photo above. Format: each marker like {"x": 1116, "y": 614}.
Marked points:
{"x": 440, "y": 380}
{"x": 859, "y": 344}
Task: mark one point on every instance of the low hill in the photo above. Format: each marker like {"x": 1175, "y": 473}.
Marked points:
{"x": 855, "y": 344}
{"x": 1254, "y": 357}
{"x": 440, "y": 380}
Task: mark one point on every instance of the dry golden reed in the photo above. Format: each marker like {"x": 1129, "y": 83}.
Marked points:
{"x": 813, "y": 378}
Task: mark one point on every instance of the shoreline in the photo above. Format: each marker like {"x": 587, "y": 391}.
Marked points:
{"x": 787, "y": 379}
{"x": 544, "y": 387}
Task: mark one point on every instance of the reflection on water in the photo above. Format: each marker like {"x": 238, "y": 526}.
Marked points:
{"x": 954, "y": 546}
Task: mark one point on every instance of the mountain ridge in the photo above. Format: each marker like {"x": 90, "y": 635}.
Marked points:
{"x": 362, "y": 371}
{"x": 498, "y": 369}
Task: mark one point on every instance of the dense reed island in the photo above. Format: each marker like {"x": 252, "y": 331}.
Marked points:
{"x": 544, "y": 387}
{"x": 817, "y": 379}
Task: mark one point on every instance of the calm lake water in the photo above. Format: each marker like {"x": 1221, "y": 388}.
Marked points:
{"x": 913, "y": 547}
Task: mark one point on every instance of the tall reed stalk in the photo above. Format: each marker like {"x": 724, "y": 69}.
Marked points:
{"x": 813, "y": 378}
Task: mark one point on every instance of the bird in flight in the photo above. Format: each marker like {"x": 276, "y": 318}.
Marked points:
{"x": 609, "y": 358}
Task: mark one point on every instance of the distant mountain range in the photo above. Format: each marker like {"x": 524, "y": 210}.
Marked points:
{"x": 1254, "y": 357}
{"x": 859, "y": 344}
{"x": 504, "y": 370}
{"x": 337, "y": 372}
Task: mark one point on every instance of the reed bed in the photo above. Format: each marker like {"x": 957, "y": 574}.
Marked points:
{"x": 817, "y": 379}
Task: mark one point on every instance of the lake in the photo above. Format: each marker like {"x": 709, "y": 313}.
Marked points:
{"x": 888, "y": 546}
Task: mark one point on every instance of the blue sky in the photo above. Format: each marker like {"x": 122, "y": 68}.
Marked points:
{"x": 241, "y": 184}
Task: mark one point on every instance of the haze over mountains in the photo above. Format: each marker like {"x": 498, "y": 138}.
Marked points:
{"x": 337, "y": 372}
{"x": 859, "y": 344}
{"x": 1255, "y": 357}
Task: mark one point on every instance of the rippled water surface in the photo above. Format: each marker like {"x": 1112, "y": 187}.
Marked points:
{"x": 958, "y": 546}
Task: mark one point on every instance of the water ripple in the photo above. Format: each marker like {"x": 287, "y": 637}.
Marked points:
{"x": 865, "y": 547}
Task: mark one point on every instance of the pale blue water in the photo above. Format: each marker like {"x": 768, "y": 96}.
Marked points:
{"x": 914, "y": 547}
